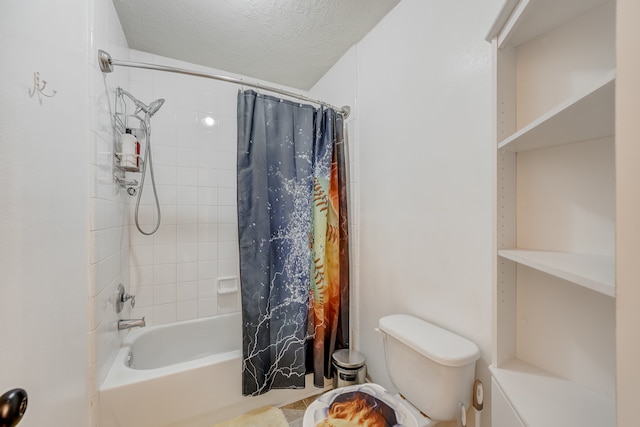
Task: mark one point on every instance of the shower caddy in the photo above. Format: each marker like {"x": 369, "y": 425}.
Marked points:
{"x": 138, "y": 129}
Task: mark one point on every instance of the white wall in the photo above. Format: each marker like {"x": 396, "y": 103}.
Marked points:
{"x": 44, "y": 174}
{"x": 425, "y": 165}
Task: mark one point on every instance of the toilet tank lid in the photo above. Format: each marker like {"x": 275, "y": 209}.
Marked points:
{"x": 441, "y": 346}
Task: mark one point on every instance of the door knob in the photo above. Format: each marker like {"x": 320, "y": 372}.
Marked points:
{"x": 13, "y": 405}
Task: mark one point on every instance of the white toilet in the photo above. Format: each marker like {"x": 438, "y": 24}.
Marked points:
{"x": 432, "y": 368}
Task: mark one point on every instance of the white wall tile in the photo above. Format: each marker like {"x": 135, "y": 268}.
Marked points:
{"x": 227, "y": 178}
{"x": 187, "y": 310}
{"x": 187, "y": 195}
{"x": 207, "y": 177}
{"x": 207, "y": 158}
{"x": 228, "y": 250}
{"x": 227, "y": 196}
{"x": 141, "y": 255}
{"x": 207, "y": 288}
{"x": 207, "y": 139}
{"x": 227, "y": 160}
{"x": 164, "y": 294}
{"x": 164, "y": 254}
{"x": 227, "y": 232}
{"x": 207, "y": 251}
{"x": 141, "y": 275}
{"x": 187, "y": 176}
{"x": 144, "y": 296}
{"x": 228, "y": 267}
{"x": 188, "y": 291}
{"x": 164, "y": 273}
{"x": 187, "y": 157}
{"x": 169, "y": 214}
{"x": 164, "y": 155}
{"x": 165, "y": 174}
{"x": 147, "y": 215}
{"x": 207, "y": 232}
{"x": 207, "y": 270}
{"x": 207, "y": 215}
{"x": 164, "y": 313}
{"x": 187, "y": 214}
{"x": 187, "y": 233}
{"x": 227, "y": 303}
{"x": 187, "y": 252}
{"x": 187, "y": 272}
{"x": 167, "y": 195}
{"x": 227, "y": 214}
{"x": 207, "y": 307}
{"x": 207, "y": 196}
{"x": 166, "y": 234}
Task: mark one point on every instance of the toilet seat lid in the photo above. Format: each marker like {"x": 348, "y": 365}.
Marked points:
{"x": 318, "y": 410}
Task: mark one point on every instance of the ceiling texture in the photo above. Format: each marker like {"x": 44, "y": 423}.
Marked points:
{"x": 289, "y": 42}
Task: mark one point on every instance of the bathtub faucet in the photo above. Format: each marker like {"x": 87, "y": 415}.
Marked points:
{"x": 130, "y": 323}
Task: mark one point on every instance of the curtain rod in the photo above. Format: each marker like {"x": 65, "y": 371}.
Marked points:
{"x": 107, "y": 63}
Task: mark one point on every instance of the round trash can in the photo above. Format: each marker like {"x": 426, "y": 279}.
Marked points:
{"x": 349, "y": 368}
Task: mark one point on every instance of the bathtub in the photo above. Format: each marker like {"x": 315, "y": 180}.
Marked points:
{"x": 185, "y": 374}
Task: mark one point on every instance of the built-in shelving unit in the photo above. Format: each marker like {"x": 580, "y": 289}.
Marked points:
{"x": 545, "y": 399}
{"x": 595, "y": 272}
{"x": 584, "y": 116}
{"x": 532, "y": 18}
{"x": 554, "y": 298}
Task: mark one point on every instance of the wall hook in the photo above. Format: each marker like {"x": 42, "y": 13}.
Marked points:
{"x": 39, "y": 86}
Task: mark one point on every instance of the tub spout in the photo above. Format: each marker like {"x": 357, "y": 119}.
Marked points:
{"x": 130, "y": 323}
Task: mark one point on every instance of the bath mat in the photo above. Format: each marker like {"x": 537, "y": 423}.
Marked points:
{"x": 268, "y": 416}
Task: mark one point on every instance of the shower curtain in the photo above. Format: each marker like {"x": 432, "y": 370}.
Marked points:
{"x": 292, "y": 220}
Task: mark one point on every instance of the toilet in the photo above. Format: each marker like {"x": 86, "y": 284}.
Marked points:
{"x": 432, "y": 368}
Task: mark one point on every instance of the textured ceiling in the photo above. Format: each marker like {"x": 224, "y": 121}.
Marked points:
{"x": 291, "y": 42}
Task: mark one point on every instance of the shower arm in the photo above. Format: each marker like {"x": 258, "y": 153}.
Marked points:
{"x": 107, "y": 64}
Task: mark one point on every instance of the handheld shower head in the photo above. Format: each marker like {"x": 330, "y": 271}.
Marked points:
{"x": 150, "y": 109}
{"x": 154, "y": 106}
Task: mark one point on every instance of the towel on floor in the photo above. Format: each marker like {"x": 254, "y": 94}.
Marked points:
{"x": 267, "y": 416}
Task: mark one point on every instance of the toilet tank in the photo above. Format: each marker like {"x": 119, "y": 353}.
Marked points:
{"x": 431, "y": 367}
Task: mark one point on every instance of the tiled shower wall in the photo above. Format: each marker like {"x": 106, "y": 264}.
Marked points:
{"x": 108, "y": 204}
{"x": 189, "y": 267}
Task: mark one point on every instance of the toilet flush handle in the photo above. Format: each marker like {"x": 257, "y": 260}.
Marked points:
{"x": 462, "y": 416}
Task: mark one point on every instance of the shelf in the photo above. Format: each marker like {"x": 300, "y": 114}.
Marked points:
{"x": 542, "y": 399}
{"x": 531, "y": 18}
{"x": 595, "y": 272}
{"x": 586, "y": 116}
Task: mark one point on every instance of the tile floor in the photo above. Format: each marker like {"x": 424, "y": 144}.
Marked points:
{"x": 295, "y": 411}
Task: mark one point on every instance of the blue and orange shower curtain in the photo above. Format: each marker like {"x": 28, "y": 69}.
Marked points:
{"x": 293, "y": 234}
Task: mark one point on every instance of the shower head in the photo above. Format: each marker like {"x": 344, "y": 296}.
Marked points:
{"x": 154, "y": 106}
{"x": 150, "y": 109}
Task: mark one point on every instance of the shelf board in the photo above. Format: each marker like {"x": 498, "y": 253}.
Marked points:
{"x": 585, "y": 116}
{"x": 595, "y": 272}
{"x": 531, "y": 18}
{"x": 542, "y": 399}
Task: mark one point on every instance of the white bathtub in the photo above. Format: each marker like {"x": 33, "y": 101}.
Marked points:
{"x": 185, "y": 374}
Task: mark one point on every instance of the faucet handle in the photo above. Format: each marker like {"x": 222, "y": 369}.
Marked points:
{"x": 124, "y": 297}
